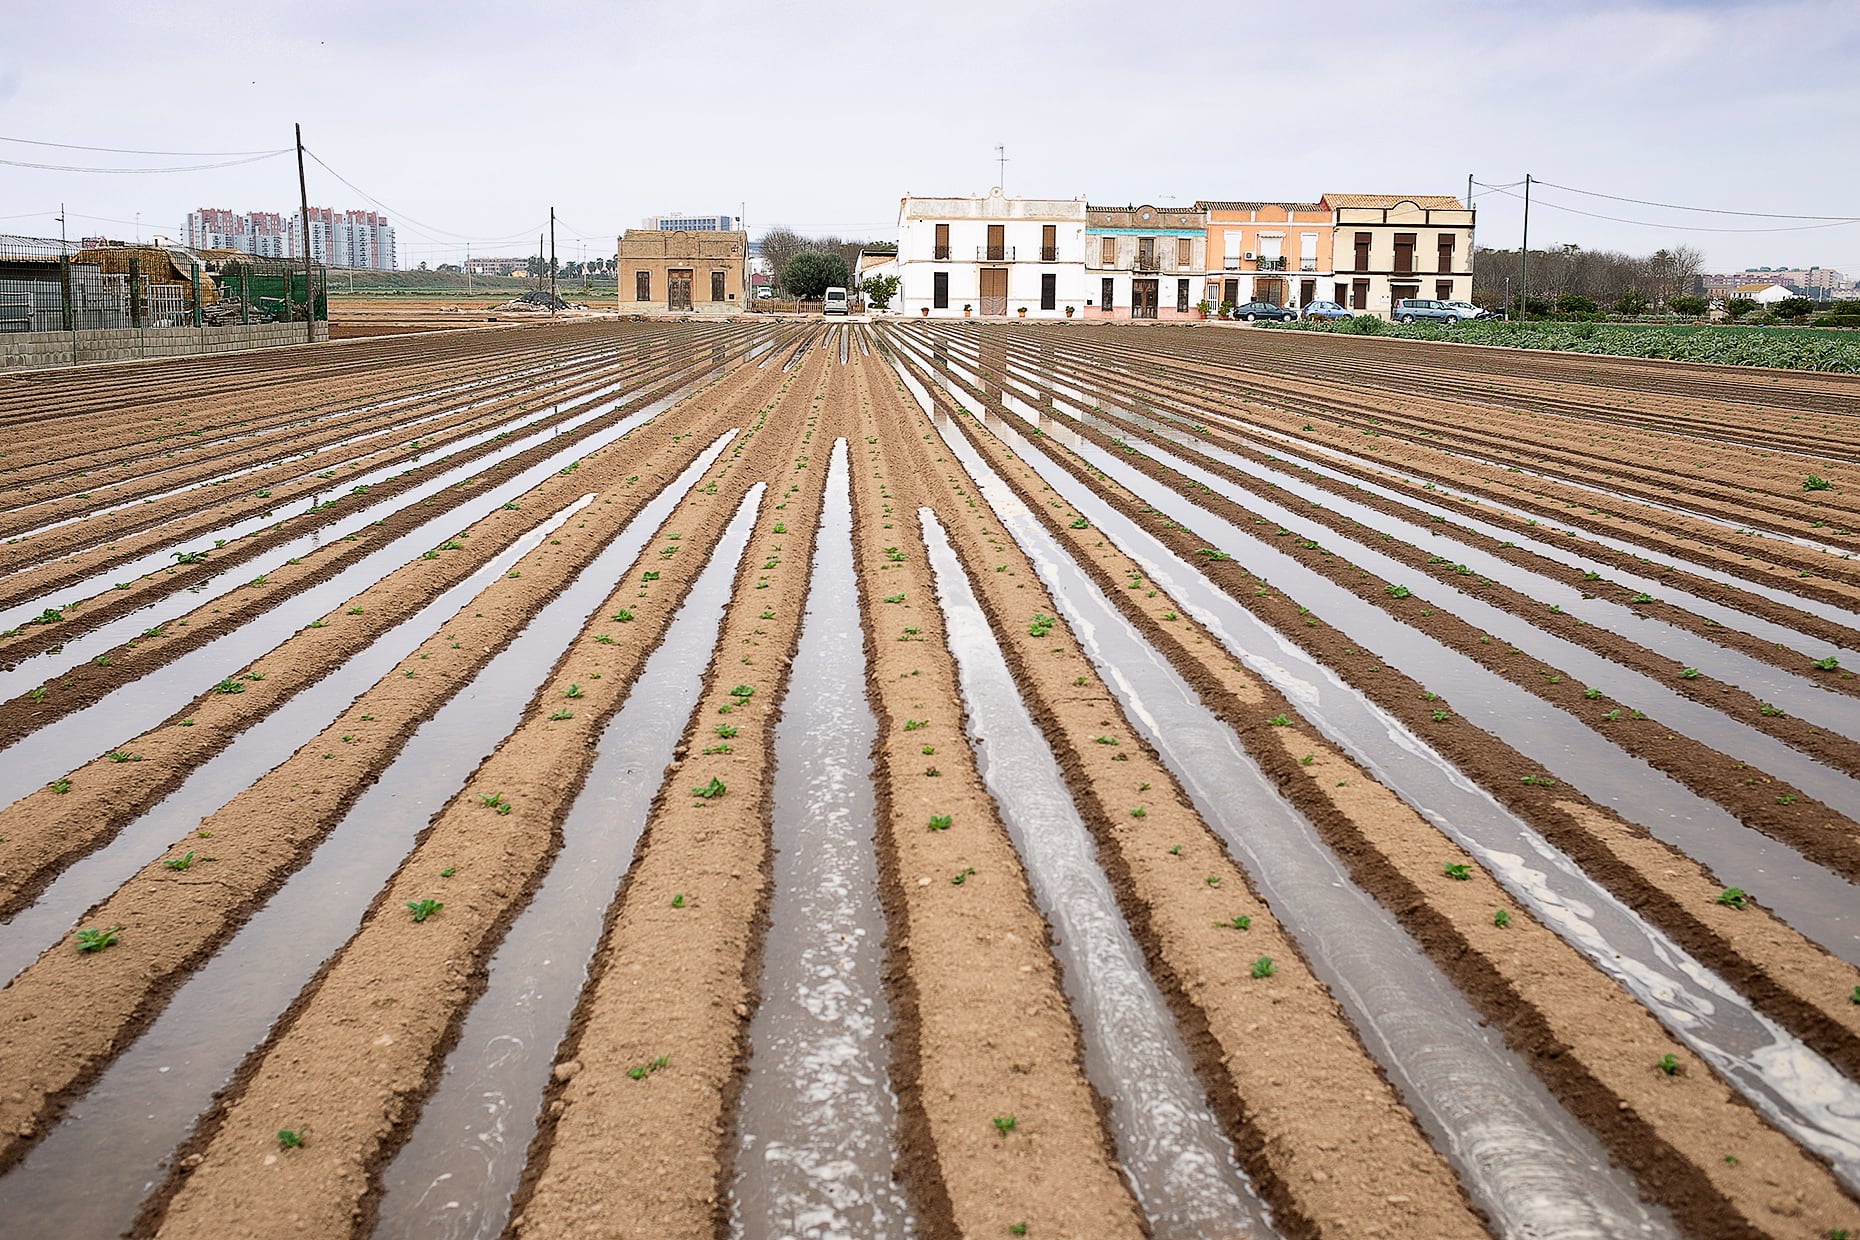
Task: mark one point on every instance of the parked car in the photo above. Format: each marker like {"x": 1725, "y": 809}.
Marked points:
{"x": 1469, "y": 311}
{"x": 1326, "y": 310}
{"x": 1263, "y": 310}
{"x": 1411, "y": 309}
{"x": 835, "y": 301}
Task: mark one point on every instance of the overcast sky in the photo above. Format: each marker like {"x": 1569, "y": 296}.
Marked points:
{"x": 470, "y": 119}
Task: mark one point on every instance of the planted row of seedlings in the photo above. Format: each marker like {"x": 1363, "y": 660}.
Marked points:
{"x": 908, "y": 824}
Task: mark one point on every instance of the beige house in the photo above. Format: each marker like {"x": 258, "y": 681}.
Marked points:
{"x": 687, "y": 271}
{"x": 1387, "y": 247}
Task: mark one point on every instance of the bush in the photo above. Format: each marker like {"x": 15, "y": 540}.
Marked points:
{"x": 1738, "y": 307}
{"x": 811, "y": 273}
{"x": 1630, "y": 302}
{"x": 1688, "y": 305}
{"x": 1570, "y": 303}
{"x": 1793, "y": 307}
{"x": 1838, "y": 320}
{"x": 879, "y": 290}
{"x": 1362, "y": 325}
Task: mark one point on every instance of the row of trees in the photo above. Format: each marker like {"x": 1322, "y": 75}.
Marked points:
{"x": 1603, "y": 279}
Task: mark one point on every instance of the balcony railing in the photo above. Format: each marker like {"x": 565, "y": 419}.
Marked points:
{"x": 1272, "y": 264}
{"x": 994, "y": 253}
{"x": 1307, "y": 264}
{"x": 940, "y": 252}
{"x": 1049, "y": 253}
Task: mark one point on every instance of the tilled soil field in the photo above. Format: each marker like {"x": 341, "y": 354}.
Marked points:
{"x": 948, "y": 779}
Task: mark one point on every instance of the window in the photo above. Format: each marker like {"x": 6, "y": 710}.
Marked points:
{"x": 1307, "y": 252}
{"x": 642, "y": 286}
{"x": 1107, "y": 291}
{"x": 1184, "y": 253}
{"x": 1362, "y": 253}
{"x": 716, "y": 286}
{"x": 1443, "y": 289}
{"x": 942, "y": 247}
{"x": 1404, "y": 252}
{"x": 1181, "y": 294}
{"x": 1049, "y": 247}
{"x": 1230, "y": 249}
{"x": 939, "y": 286}
{"x": 1107, "y": 251}
{"x": 1146, "y": 253}
{"x": 1340, "y": 293}
{"x": 1049, "y": 292}
{"x": 1359, "y": 294}
{"x": 1446, "y": 254}
{"x": 997, "y": 242}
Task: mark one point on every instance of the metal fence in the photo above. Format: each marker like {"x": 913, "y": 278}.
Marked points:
{"x": 49, "y": 285}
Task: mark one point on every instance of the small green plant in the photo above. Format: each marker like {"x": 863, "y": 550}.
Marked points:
{"x": 97, "y": 940}
{"x": 939, "y": 822}
{"x": 712, "y": 789}
{"x": 449, "y": 871}
{"x": 957, "y": 878}
{"x": 1213, "y": 880}
{"x": 493, "y": 800}
{"x": 1263, "y": 967}
{"x": 290, "y": 1138}
{"x": 1239, "y": 922}
{"x": 911, "y": 725}
{"x": 1733, "y": 897}
{"x": 1041, "y": 626}
{"x": 120, "y": 756}
{"x": 1104, "y": 740}
{"x": 678, "y": 899}
{"x": 1440, "y": 716}
{"x": 229, "y": 686}
{"x": 1816, "y": 484}
{"x": 573, "y": 691}
{"x": 1591, "y": 693}
{"x": 894, "y": 598}
{"x": 1501, "y": 919}
{"x": 180, "y": 863}
{"x": 1669, "y": 1064}
{"x": 560, "y": 713}
{"x": 726, "y": 730}
{"x": 1004, "y": 1124}
{"x": 1397, "y": 591}
{"x": 893, "y": 554}
{"x": 1854, "y": 998}
{"x": 1642, "y": 597}
{"x": 622, "y": 616}
{"x": 640, "y": 1072}
{"x": 60, "y": 786}
{"x": 1017, "y": 1229}
{"x": 1307, "y": 760}
{"x": 422, "y": 909}
{"x": 1279, "y": 721}
{"x": 1138, "y": 812}
{"x": 742, "y": 693}
{"x": 1688, "y": 673}
{"x": 1079, "y": 523}
{"x": 1769, "y": 712}
{"x": 1457, "y": 870}
{"x": 1828, "y": 664}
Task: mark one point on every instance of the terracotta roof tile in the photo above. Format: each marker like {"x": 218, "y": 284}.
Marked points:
{"x": 1446, "y": 201}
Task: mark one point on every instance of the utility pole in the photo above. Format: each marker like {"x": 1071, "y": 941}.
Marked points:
{"x": 303, "y": 200}
{"x": 1524, "y": 255}
{"x": 551, "y": 262}
{"x": 468, "y": 269}
{"x": 1472, "y": 240}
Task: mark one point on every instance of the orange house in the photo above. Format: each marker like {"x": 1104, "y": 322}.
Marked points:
{"x": 1278, "y": 252}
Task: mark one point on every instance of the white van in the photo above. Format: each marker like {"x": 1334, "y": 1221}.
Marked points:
{"x": 835, "y": 301}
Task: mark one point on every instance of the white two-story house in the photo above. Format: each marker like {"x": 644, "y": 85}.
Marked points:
{"x": 992, "y": 256}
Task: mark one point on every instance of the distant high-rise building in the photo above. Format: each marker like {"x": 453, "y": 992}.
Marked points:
{"x": 337, "y": 238}
{"x": 679, "y": 221}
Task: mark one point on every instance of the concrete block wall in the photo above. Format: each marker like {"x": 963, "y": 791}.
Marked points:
{"x": 30, "y": 350}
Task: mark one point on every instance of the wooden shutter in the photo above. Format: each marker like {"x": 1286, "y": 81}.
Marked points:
{"x": 1362, "y": 251}
{"x": 1049, "y": 247}
{"x": 1446, "y": 254}
{"x": 1404, "y": 252}
{"x": 942, "y": 241}
{"x": 642, "y": 286}
{"x": 1107, "y": 252}
{"x": 1184, "y": 252}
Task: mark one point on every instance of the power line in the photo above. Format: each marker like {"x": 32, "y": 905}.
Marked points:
{"x": 1765, "y": 215}
{"x": 1617, "y": 219}
{"x": 420, "y": 225}
{"x": 228, "y": 163}
{"x": 119, "y": 150}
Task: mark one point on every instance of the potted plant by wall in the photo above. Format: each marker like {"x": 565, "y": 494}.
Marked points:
{"x": 1023, "y": 312}
{"x": 924, "y": 310}
{"x": 1201, "y": 308}
{"x": 966, "y": 307}
{"x": 1068, "y": 311}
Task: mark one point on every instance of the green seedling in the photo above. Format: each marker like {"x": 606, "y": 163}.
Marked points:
{"x": 229, "y": 686}
{"x": 726, "y": 730}
{"x": 1769, "y": 712}
{"x": 1642, "y": 597}
{"x": 1539, "y": 781}
{"x": 1440, "y": 716}
{"x": 1733, "y": 897}
{"x": 1501, "y": 919}
{"x": 1079, "y": 523}
{"x": 678, "y": 899}
{"x": 60, "y": 786}
{"x": 422, "y": 909}
{"x": 742, "y": 693}
{"x": 1004, "y": 1124}
{"x": 911, "y": 725}
{"x": 494, "y": 800}
{"x": 603, "y": 639}
{"x": 1263, "y": 967}
{"x": 1138, "y": 812}
{"x": 640, "y": 1072}
{"x": 1020, "y": 1229}
{"x": 573, "y": 691}
{"x": 1688, "y": 673}
{"x": 1279, "y": 721}
{"x": 1213, "y": 880}
{"x": 179, "y": 863}
{"x": 120, "y": 756}
{"x": 1669, "y": 1064}
{"x": 939, "y": 822}
{"x": 1854, "y": 998}
{"x": 290, "y": 1138}
{"x": 449, "y": 871}
{"x": 928, "y": 750}
{"x": 1397, "y": 591}
{"x": 712, "y": 789}
{"x": 1041, "y": 626}
{"x": 1591, "y": 693}
{"x": 1105, "y": 740}
{"x": 1239, "y": 922}
{"x": 1826, "y": 665}
{"x": 1457, "y": 870}
{"x": 561, "y": 713}
{"x": 97, "y": 940}
{"x": 622, "y": 616}
{"x": 957, "y": 878}
{"x": 894, "y": 598}
{"x": 189, "y": 557}
{"x": 1816, "y": 484}
{"x": 893, "y": 554}
{"x": 1175, "y": 850}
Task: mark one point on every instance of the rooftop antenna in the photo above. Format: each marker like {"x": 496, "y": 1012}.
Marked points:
{"x": 1001, "y": 159}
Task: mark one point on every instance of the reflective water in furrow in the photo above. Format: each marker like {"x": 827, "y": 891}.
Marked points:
{"x": 1170, "y": 1147}
{"x": 357, "y": 512}
{"x": 1536, "y": 1170}
{"x": 1794, "y": 1087}
{"x": 140, "y": 705}
{"x": 1801, "y": 696}
{"x": 455, "y": 1177}
{"x": 1814, "y": 900}
{"x": 1298, "y": 455}
{"x": 142, "y": 1106}
{"x": 817, "y": 1119}
{"x": 256, "y": 750}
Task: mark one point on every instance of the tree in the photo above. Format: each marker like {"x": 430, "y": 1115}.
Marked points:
{"x": 1630, "y": 302}
{"x": 1793, "y": 307}
{"x": 812, "y": 272}
{"x": 1738, "y": 307}
{"x": 1687, "y": 305}
{"x": 780, "y": 244}
{"x": 1573, "y": 303}
{"x": 879, "y": 290}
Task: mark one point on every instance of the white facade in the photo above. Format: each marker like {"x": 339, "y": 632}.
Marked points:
{"x": 993, "y": 245}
